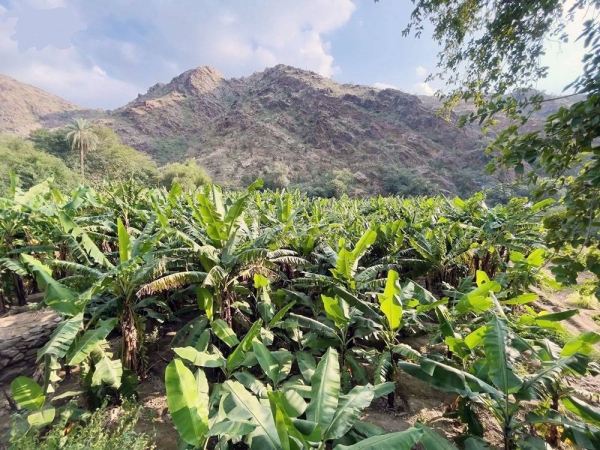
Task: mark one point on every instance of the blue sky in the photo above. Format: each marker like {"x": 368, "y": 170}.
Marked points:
{"x": 103, "y": 53}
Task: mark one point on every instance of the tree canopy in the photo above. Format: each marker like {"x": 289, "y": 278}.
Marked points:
{"x": 189, "y": 175}
{"x": 491, "y": 55}
{"x": 110, "y": 160}
{"x": 31, "y": 166}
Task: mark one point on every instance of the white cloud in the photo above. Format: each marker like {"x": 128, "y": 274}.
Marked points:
{"x": 61, "y": 71}
{"x": 146, "y": 41}
{"x": 385, "y": 86}
{"x": 421, "y": 71}
{"x": 99, "y": 71}
{"x": 46, "y": 4}
{"x": 237, "y": 38}
{"x": 423, "y": 89}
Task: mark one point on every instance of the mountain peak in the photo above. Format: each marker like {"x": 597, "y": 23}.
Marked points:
{"x": 202, "y": 79}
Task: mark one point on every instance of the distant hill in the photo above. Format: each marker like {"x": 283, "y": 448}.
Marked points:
{"x": 24, "y": 108}
{"x": 285, "y": 124}
{"x": 299, "y": 120}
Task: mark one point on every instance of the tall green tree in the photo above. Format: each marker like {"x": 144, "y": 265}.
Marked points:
{"x": 82, "y": 137}
{"x": 491, "y": 55}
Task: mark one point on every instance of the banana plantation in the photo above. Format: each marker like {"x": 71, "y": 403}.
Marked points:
{"x": 293, "y": 316}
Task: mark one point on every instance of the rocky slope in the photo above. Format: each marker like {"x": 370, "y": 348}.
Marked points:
{"x": 293, "y": 124}
{"x": 295, "y": 119}
{"x": 24, "y": 108}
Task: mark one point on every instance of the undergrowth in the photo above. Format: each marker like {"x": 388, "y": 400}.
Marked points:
{"x": 99, "y": 432}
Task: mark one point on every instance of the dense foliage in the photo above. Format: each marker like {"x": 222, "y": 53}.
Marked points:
{"x": 189, "y": 175}
{"x": 297, "y": 312}
{"x": 492, "y": 54}
{"x": 108, "y": 160}
{"x": 32, "y": 166}
{"x": 97, "y": 434}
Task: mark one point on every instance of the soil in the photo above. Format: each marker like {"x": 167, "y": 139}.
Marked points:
{"x": 559, "y": 301}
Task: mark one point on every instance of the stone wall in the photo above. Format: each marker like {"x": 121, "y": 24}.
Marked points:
{"x": 21, "y": 335}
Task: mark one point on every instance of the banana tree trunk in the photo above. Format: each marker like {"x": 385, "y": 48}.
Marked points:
{"x": 225, "y": 311}
{"x": 19, "y": 290}
{"x": 553, "y": 432}
{"x": 16, "y": 279}
{"x": 131, "y": 340}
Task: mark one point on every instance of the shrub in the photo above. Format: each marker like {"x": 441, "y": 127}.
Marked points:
{"x": 188, "y": 174}
{"x": 405, "y": 183}
{"x": 97, "y": 433}
{"x": 31, "y": 166}
{"x": 276, "y": 177}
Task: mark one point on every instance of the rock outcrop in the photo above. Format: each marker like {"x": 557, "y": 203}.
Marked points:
{"x": 21, "y": 336}
{"x": 241, "y": 128}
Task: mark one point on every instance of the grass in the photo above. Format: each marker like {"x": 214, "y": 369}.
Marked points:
{"x": 99, "y": 432}
{"x": 584, "y": 297}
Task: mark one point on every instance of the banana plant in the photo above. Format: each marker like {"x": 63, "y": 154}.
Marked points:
{"x": 113, "y": 287}
{"x": 228, "y": 256}
{"x": 341, "y": 327}
{"x": 493, "y": 383}
{"x": 18, "y": 220}
{"x": 391, "y": 305}
{"x": 206, "y": 355}
{"x": 525, "y": 271}
{"x": 30, "y": 396}
{"x": 278, "y": 417}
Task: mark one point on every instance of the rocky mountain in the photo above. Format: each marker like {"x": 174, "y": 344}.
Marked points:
{"x": 24, "y": 108}
{"x": 285, "y": 124}
{"x": 296, "y": 121}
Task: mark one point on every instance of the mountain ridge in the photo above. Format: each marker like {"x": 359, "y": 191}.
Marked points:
{"x": 24, "y": 107}
{"x": 296, "y": 127}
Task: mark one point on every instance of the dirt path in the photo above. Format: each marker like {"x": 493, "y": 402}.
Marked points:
{"x": 559, "y": 301}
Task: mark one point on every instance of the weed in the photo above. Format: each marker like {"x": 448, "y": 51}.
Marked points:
{"x": 100, "y": 432}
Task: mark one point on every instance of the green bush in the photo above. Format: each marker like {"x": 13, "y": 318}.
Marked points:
{"x": 276, "y": 177}
{"x": 111, "y": 160}
{"x": 188, "y": 174}
{"x": 502, "y": 193}
{"x": 31, "y": 166}
{"x": 405, "y": 183}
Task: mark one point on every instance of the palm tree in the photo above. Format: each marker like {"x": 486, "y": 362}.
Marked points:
{"x": 82, "y": 136}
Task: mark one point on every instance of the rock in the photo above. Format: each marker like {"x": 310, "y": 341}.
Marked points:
{"x": 8, "y": 344}
{"x": 21, "y": 336}
{"x": 18, "y": 357}
{"x": 31, "y": 352}
{"x": 361, "y": 177}
{"x": 10, "y": 352}
{"x": 11, "y": 373}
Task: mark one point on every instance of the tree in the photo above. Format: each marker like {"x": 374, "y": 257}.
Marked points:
{"x": 188, "y": 174}
{"x": 83, "y": 138}
{"x": 111, "y": 159}
{"x": 31, "y": 166}
{"x": 491, "y": 55}
{"x": 276, "y": 177}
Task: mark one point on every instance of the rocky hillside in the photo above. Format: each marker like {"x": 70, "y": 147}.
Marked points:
{"x": 24, "y": 108}
{"x": 285, "y": 124}
{"x": 291, "y": 120}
